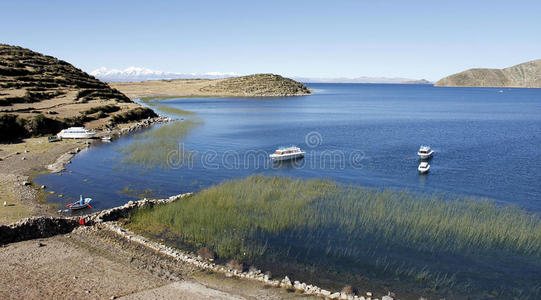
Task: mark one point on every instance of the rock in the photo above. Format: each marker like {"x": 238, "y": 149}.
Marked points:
{"x": 334, "y": 296}
{"x": 40, "y": 244}
{"x": 42, "y": 187}
{"x": 387, "y": 298}
{"x": 22, "y": 158}
{"x": 5, "y": 203}
{"x": 87, "y": 291}
{"x": 26, "y": 183}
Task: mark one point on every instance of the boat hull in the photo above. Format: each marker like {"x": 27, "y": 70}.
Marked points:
{"x": 423, "y": 170}
{"x": 76, "y": 135}
{"x": 287, "y": 156}
{"x": 425, "y": 155}
{"x": 79, "y": 206}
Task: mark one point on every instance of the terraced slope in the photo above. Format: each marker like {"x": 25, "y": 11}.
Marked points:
{"x": 40, "y": 94}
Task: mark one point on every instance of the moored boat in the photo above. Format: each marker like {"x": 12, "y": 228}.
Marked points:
{"x": 423, "y": 167}
{"x": 425, "y": 152}
{"x": 287, "y": 153}
{"x": 81, "y": 204}
{"x": 75, "y": 133}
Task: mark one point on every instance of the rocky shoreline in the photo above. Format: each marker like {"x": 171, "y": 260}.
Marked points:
{"x": 41, "y": 227}
{"x": 60, "y": 164}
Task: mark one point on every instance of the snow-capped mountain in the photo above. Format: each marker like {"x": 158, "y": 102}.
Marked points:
{"x": 141, "y": 74}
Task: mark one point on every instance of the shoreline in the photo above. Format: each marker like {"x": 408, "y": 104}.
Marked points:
{"x": 48, "y": 209}
{"x": 108, "y": 220}
{"x": 25, "y": 160}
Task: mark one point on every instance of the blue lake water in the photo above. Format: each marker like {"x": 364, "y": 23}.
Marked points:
{"x": 487, "y": 143}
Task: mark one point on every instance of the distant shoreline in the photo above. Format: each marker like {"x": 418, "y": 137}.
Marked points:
{"x": 258, "y": 85}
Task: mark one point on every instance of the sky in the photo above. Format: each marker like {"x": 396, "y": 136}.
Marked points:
{"x": 411, "y": 39}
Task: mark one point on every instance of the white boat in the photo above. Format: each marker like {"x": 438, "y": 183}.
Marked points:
{"x": 425, "y": 152}
{"x": 287, "y": 153}
{"x": 76, "y": 133}
{"x": 105, "y": 138}
{"x": 423, "y": 167}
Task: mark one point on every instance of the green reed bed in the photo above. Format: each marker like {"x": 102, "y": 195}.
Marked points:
{"x": 160, "y": 147}
{"x": 386, "y": 234}
{"x": 154, "y": 103}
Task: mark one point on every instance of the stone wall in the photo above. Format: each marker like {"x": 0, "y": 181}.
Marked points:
{"x": 41, "y": 227}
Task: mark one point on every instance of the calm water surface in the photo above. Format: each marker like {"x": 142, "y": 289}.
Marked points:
{"x": 487, "y": 144}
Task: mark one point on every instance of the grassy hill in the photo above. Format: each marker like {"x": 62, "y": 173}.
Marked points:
{"x": 257, "y": 85}
{"x": 526, "y": 75}
{"x": 40, "y": 94}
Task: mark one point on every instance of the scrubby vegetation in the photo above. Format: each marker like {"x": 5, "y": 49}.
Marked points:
{"x": 338, "y": 232}
{"x": 13, "y": 128}
{"x": 258, "y": 85}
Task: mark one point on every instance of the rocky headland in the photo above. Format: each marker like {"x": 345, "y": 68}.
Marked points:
{"x": 525, "y": 75}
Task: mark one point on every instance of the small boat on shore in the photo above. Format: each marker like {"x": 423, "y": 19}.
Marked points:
{"x": 287, "y": 153}
{"x": 53, "y": 139}
{"x": 423, "y": 167}
{"x": 425, "y": 152}
{"x": 81, "y": 204}
{"x": 76, "y": 133}
{"x": 105, "y": 138}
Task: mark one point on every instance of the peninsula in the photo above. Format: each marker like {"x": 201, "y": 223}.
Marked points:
{"x": 525, "y": 75}
{"x": 257, "y": 85}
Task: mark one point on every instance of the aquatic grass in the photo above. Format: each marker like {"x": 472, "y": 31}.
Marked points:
{"x": 381, "y": 233}
{"x": 173, "y": 110}
{"x": 159, "y": 147}
{"x": 137, "y": 193}
{"x": 154, "y": 102}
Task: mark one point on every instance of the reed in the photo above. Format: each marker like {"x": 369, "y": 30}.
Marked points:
{"x": 154, "y": 102}
{"x": 158, "y": 147}
{"x": 321, "y": 222}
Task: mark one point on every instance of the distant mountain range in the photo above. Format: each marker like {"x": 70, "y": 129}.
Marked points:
{"x": 526, "y": 75}
{"x": 133, "y": 74}
{"x": 142, "y": 74}
{"x": 362, "y": 79}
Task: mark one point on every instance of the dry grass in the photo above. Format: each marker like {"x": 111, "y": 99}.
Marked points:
{"x": 15, "y": 210}
{"x": 245, "y": 86}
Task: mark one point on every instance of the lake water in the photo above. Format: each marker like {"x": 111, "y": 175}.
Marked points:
{"x": 486, "y": 141}
{"x": 487, "y": 144}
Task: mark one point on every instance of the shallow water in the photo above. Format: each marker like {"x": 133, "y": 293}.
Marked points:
{"x": 487, "y": 144}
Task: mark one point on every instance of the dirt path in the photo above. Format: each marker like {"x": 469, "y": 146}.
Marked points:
{"x": 97, "y": 264}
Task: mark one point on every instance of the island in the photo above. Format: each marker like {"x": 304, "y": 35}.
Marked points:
{"x": 525, "y": 75}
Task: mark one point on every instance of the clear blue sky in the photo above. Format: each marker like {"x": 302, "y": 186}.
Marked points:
{"x": 415, "y": 39}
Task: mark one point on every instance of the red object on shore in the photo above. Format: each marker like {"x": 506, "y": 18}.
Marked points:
{"x": 82, "y": 221}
